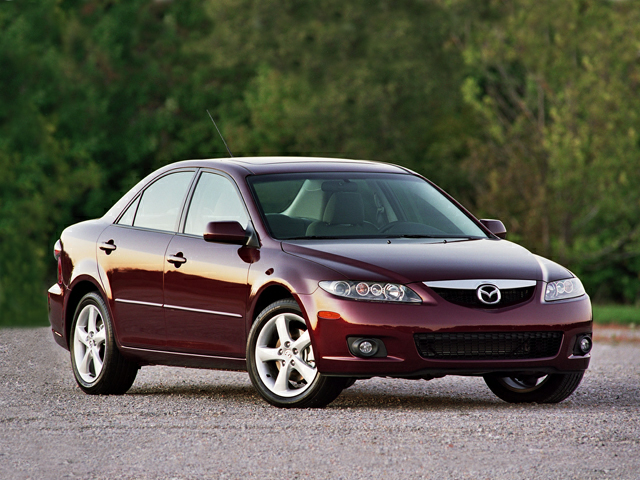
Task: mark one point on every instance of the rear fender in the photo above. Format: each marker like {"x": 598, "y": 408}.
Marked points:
{"x": 81, "y": 284}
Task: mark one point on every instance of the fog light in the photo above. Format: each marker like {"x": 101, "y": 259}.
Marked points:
{"x": 366, "y": 347}
{"x": 583, "y": 345}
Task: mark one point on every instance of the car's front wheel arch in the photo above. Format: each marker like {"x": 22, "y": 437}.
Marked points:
{"x": 267, "y": 296}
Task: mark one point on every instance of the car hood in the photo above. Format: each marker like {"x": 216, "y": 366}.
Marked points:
{"x": 408, "y": 260}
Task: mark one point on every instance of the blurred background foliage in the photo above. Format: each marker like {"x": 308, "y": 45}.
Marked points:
{"x": 524, "y": 110}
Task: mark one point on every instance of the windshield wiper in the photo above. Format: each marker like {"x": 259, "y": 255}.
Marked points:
{"x": 373, "y": 237}
{"x": 312, "y": 237}
{"x": 453, "y": 237}
{"x": 413, "y": 235}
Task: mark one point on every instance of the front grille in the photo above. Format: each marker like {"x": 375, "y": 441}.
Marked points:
{"x": 488, "y": 346}
{"x": 469, "y": 298}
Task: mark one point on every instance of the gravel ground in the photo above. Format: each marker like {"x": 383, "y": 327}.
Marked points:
{"x": 616, "y": 333}
{"x": 186, "y": 423}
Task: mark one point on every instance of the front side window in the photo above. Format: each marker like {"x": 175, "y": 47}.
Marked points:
{"x": 215, "y": 199}
{"x": 358, "y": 205}
{"x": 160, "y": 204}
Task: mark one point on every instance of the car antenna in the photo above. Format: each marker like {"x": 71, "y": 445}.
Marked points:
{"x": 225, "y": 143}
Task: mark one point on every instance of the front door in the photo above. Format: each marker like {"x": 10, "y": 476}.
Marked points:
{"x": 205, "y": 283}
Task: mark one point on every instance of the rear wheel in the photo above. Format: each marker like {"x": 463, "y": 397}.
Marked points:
{"x": 98, "y": 366}
{"x": 552, "y": 388}
{"x": 281, "y": 362}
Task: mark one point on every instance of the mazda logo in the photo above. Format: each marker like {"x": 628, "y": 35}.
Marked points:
{"x": 489, "y": 294}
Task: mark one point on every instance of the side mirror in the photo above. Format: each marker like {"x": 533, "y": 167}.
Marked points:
{"x": 226, "y": 232}
{"x": 495, "y": 226}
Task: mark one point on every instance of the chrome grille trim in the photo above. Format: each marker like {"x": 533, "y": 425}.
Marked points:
{"x": 474, "y": 284}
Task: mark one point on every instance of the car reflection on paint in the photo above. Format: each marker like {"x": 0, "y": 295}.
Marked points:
{"x": 310, "y": 274}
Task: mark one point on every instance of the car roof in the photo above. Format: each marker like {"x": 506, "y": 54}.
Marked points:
{"x": 266, "y": 165}
{"x": 240, "y": 167}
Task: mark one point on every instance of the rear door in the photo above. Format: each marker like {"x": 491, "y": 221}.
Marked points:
{"x": 131, "y": 255}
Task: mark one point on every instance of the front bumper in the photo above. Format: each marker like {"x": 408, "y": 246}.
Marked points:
{"x": 396, "y": 324}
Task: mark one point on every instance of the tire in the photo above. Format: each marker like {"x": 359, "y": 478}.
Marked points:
{"x": 98, "y": 366}
{"x": 552, "y": 388}
{"x": 280, "y": 360}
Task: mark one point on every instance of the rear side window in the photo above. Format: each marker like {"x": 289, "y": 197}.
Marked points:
{"x": 159, "y": 206}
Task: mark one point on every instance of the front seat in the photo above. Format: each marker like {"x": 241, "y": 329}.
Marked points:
{"x": 343, "y": 216}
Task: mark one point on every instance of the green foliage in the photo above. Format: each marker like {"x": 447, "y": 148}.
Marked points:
{"x": 40, "y": 171}
{"x": 556, "y": 84}
{"x": 525, "y": 110}
{"x": 354, "y": 79}
{"x": 617, "y": 315}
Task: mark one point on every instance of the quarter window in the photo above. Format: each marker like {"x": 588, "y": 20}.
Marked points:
{"x": 129, "y": 215}
{"x": 215, "y": 200}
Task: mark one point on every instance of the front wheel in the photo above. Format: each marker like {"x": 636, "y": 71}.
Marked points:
{"x": 552, "y": 388}
{"x": 98, "y": 366}
{"x": 281, "y": 362}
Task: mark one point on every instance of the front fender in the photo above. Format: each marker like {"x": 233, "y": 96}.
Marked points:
{"x": 296, "y": 275}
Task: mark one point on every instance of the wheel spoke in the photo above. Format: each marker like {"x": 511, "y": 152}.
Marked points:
{"x": 307, "y": 372}
{"x": 100, "y": 337}
{"x": 282, "y": 382}
{"x": 266, "y": 354}
{"x": 83, "y": 366}
{"x": 283, "y": 332}
{"x": 81, "y": 335}
{"x": 91, "y": 323}
{"x": 303, "y": 342}
{"x": 97, "y": 362}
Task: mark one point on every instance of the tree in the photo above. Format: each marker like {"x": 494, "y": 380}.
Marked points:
{"x": 557, "y": 86}
{"x": 355, "y": 79}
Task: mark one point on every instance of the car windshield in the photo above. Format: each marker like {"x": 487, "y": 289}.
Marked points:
{"x": 358, "y": 205}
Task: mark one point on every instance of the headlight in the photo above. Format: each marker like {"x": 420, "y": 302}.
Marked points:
{"x": 563, "y": 289}
{"x": 372, "y": 291}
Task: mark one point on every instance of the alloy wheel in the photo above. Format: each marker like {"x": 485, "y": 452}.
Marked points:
{"x": 284, "y": 356}
{"x": 89, "y": 343}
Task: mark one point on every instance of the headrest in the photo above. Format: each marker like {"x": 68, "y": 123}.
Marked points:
{"x": 344, "y": 208}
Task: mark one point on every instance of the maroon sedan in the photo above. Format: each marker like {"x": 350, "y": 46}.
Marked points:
{"x": 311, "y": 273}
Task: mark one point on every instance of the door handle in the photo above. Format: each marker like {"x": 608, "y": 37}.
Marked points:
{"x": 108, "y": 247}
{"x": 177, "y": 259}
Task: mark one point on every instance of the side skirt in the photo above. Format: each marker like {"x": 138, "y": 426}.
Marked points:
{"x": 161, "y": 357}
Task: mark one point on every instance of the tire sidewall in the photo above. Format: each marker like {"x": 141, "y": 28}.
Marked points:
{"x": 97, "y": 301}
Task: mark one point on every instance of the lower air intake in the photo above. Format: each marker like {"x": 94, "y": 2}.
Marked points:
{"x": 488, "y": 346}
